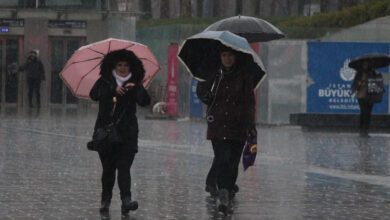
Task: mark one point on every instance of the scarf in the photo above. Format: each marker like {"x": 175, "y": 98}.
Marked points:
{"x": 119, "y": 79}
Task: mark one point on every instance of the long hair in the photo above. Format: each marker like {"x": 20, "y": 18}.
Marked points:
{"x": 111, "y": 59}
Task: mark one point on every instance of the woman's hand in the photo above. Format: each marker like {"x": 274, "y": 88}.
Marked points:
{"x": 252, "y": 131}
{"x": 120, "y": 90}
{"x": 129, "y": 86}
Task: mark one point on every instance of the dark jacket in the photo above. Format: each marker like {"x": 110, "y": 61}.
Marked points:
{"x": 34, "y": 69}
{"x": 232, "y": 106}
{"x": 104, "y": 91}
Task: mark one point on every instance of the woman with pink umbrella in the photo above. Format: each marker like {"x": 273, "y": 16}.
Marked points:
{"x": 118, "y": 90}
{"x": 126, "y": 69}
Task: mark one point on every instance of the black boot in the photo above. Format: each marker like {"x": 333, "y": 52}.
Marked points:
{"x": 232, "y": 193}
{"x": 224, "y": 201}
{"x": 212, "y": 190}
{"x": 236, "y": 189}
{"x": 105, "y": 209}
{"x": 128, "y": 205}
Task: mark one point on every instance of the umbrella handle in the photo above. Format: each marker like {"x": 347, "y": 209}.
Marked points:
{"x": 114, "y": 100}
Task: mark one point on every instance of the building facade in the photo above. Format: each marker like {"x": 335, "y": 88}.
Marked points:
{"x": 56, "y": 29}
{"x": 225, "y": 8}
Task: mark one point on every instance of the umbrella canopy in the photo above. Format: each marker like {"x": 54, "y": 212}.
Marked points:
{"x": 202, "y": 50}
{"x": 250, "y": 152}
{"x": 82, "y": 69}
{"x": 377, "y": 60}
{"x": 253, "y": 29}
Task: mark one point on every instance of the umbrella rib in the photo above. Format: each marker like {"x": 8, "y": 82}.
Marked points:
{"x": 78, "y": 86}
{"x": 67, "y": 66}
{"x": 129, "y": 46}
{"x": 109, "y": 46}
{"x": 96, "y": 51}
{"x": 96, "y": 58}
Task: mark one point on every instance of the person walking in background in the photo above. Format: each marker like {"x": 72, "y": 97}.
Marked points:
{"x": 363, "y": 86}
{"x": 118, "y": 90}
{"x": 35, "y": 74}
{"x": 228, "y": 92}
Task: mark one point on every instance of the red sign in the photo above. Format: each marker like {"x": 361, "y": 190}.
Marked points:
{"x": 171, "y": 97}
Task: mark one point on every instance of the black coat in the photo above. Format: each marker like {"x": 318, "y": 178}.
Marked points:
{"x": 34, "y": 69}
{"x": 233, "y": 106}
{"x": 104, "y": 91}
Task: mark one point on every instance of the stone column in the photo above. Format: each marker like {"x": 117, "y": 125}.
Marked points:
{"x": 156, "y": 9}
{"x": 249, "y": 7}
{"x": 194, "y": 8}
{"x": 174, "y": 8}
{"x": 230, "y": 8}
{"x": 133, "y": 5}
{"x": 265, "y": 7}
{"x": 186, "y": 9}
{"x": 208, "y": 8}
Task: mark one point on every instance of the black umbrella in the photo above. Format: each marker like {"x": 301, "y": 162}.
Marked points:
{"x": 377, "y": 60}
{"x": 200, "y": 52}
{"x": 253, "y": 29}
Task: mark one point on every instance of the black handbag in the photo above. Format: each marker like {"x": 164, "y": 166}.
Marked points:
{"x": 106, "y": 136}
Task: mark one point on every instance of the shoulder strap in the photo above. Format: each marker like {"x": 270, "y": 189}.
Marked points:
{"x": 120, "y": 116}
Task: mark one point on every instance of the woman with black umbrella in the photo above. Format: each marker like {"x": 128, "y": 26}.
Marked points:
{"x": 228, "y": 92}
{"x": 363, "y": 86}
{"x": 118, "y": 90}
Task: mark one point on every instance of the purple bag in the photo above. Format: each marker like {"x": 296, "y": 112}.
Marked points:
{"x": 250, "y": 152}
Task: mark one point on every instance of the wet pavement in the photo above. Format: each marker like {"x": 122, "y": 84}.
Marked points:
{"x": 46, "y": 172}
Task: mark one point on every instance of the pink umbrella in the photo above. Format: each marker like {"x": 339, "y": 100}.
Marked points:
{"x": 82, "y": 69}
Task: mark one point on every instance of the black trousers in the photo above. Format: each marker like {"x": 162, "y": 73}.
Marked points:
{"x": 365, "y": 114}
{"x": 115, "y": 160}
{"x": 224, "y": 170}
{"x": 34, "y": 86}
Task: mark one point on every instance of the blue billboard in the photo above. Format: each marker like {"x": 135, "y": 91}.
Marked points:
{"x": 330, "y": 78}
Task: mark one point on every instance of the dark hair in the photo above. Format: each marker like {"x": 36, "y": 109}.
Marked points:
{"x": 34, "y": 52}
{"x": 111, "y": 59}
{"x": 223, "y": 48}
